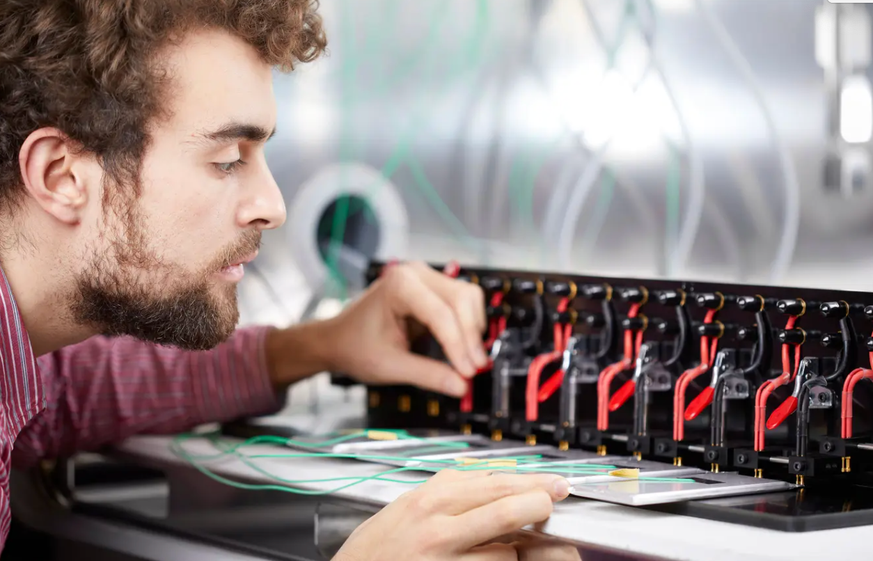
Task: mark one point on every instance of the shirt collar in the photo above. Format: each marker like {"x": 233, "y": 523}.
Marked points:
{"x": 21, "y": 389}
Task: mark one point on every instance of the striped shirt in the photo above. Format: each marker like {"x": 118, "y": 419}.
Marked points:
{"x": 103, "y": 390}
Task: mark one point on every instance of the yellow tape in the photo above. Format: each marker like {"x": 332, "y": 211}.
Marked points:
{"x": 630, "y": 473}
{"x": 493, "y": 463}
{"x": 381, "y": 435}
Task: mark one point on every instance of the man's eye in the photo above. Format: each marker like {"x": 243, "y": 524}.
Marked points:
{"x": 229, "y": 167}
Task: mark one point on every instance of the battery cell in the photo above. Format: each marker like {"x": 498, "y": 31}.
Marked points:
{"x": 704, "y": 485}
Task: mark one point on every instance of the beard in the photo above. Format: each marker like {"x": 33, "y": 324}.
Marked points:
{"x": 127, "y": 289}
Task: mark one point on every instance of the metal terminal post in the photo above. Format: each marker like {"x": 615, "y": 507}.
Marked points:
{"x": 677, "y": 462}
{"x": 466, "y": 430}
{"x": 531, "y": 440}
{"x": 497, "y": 435}
{"x": 563, "y": 446}
{"x": 601, "y": 450}
{"x": 433, "y": 408}
{"x": 404, "y": 403}
{"x": 759, "y": 473}
{"x": 638, "y": 456}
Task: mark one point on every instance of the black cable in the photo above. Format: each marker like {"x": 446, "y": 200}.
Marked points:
{"x": 609, "y": 333}
{"x": 537, "y": 329}
{"x": 763, "y": 350}
{"x": 848, "y": 356}
{"x": 802, "y": 444}
{"x": 683, "y": 341}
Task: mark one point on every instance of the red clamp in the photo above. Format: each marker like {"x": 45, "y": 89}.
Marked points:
{"x": 632, "y": 346}
{"x": 534, "y": 394}
{"x": 707, "y": 354}
{"x": 768, "y": 387}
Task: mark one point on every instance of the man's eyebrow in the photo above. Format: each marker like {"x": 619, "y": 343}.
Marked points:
{"x": 236, "y": 131}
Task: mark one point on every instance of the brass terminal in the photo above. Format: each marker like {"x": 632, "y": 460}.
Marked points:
{"x": 638, "y": 455}
{"x": 714, "y": 468}
{"x": 466, "y": 429}
{"x": 374, "y": 399}
{"x": 759, "y": 473}
{"x": 404, "y": 403}
{"x": 677, "y": 462}
{"x": 497, "y": 435}
{"x": 433, "y": 408}
{"x": 800, "y": 480}
{"x": 601, "y": 450}
{"x": 531, "y": 440}
{"x": 563, "y": 446}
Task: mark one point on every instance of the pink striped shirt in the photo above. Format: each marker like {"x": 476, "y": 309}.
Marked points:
{"x": 103, "y": 390}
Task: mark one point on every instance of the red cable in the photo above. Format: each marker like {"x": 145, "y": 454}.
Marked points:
{"x": 613, "y": 370}
{"x": 452, "y": 269}
{"x": 768, "y": 387}
{"x": 532, "y": 395}
{"x": 853, "y": 378}
{"x": 707, "y": 353}
{"x": 625, "y": 392}
{"x": 554, "y": 383}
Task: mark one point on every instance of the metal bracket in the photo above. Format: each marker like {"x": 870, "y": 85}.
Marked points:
{"x": 821, "y": 398}
{"x": 735, "y": 387}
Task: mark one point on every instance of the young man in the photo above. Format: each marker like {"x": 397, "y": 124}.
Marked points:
{"x": 133, "y": 190}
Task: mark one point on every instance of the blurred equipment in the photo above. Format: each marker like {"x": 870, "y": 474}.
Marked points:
{"x": 340, "y": 219}
{"x": 843, "y": 49}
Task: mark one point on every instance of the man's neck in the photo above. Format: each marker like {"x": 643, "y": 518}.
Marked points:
{"x": 42, "y": 301}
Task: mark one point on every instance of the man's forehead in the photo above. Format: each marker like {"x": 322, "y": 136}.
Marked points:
{"x": 219, "y": 83}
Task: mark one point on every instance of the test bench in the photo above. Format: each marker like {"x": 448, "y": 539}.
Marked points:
{"x": 740, "y": 382}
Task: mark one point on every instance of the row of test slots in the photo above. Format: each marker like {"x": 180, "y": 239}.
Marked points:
{"x": 756, "y": 379}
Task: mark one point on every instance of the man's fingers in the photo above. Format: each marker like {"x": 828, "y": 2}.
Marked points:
{"x": 420, "y": 301}
{"x": 459, "y": 497}
{"x": 501, "y": 517}
{"x": 467, "y": 302}
{"x": 429, "y": 374}
{"x": 542, "y": 550}
{"x": 492, "y": 552}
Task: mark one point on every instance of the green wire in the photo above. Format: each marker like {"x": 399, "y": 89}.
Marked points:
{"x": 401, "y": 153}
{"x": 523, "y": 193}
{"x": 484, "y": 464}
{"x": 604, "y": 200}
{"x": 433, "y": 197}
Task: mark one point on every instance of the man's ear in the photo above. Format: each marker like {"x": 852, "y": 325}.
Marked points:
{"x": 54, "y": 174}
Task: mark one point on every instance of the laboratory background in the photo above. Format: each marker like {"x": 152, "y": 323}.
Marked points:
{"x": 724, "y": 140}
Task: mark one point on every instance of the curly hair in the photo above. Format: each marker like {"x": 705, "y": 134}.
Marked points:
{"x": 90, "y": 68}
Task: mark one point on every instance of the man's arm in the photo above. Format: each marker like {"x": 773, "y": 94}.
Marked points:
{"x": 107, "y": 389}
{"x": 104, "y": 390}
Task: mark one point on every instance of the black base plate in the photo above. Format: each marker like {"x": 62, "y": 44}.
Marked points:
{"x": 805, "y": 510}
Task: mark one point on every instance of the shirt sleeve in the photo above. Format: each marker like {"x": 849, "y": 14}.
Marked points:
{"x": 106, "y": 389}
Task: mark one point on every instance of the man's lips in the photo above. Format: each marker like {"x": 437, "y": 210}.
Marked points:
{"x": 243, "y": 261}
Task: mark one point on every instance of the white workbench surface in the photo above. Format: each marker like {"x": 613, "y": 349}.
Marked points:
{"x": 587, "y": 522}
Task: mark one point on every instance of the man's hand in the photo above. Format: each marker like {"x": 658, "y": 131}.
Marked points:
{"x": 370, "y": 339}
{"x": 455, "y": 515}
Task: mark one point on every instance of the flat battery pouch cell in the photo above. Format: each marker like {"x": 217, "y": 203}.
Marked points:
{"x": 575, "y": 471}
{"x": 436, "y": 462}
{"x": 644, "y": 491}
{"x": 375, "y": 440}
